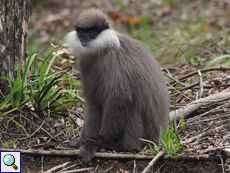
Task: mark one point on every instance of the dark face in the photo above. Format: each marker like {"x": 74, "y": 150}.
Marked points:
{"x": 87, "y": 34}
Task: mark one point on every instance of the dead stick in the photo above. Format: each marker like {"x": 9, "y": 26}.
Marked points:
{"x": 75, "y": 153}
{"x": 57, "y": 167}
{"x": 191, "y": 107}
{"x": 202, "y": 71}
{"x": 79, "y": 170}
{"x": 153, "y": 161}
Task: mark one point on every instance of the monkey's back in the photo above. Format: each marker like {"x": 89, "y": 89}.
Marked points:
{"x": 129, "y": 78}
{"x": 149, "y": 88}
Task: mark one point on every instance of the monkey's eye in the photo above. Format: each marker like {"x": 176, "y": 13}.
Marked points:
{"x": 81, "y": 32}
{"x": 90, "y": 31}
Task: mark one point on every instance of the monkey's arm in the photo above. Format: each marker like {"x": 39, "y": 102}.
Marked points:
{"x": 92, "y": 119}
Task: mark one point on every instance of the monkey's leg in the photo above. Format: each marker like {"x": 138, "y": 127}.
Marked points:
{"x": 92, "y": 124}
{"x": 121, "y": 126}
{"x": 113, "y": 126}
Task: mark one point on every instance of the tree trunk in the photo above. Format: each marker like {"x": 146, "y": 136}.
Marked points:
{"x": 14, "y": 19}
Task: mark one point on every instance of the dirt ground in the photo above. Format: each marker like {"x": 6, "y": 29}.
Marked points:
{"x": 123, "y": 166}
{"x": 207, "y": 131}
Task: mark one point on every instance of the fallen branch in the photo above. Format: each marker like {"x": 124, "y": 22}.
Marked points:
{"x": 153, "y": 161}
{"x": 75, "y": 153}
{"x": 193, "y": 106}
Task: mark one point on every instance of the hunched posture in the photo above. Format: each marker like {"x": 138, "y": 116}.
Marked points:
{"x": 126, "y": 95}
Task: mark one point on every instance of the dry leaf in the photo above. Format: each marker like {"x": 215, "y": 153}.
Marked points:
{"x": 217, "y": 82}
{"x": 206, "y": 28}
{"x": 131, "y": 20}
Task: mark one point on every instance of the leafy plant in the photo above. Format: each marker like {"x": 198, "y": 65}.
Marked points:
{"x": 182, "y": 121}
{"x": 11, "y": 143}
{"x": 167, "y": 140}
{"x": 156, "y": 148}
{"x": 40, "y": 87}
{"x": 17, "y": 87}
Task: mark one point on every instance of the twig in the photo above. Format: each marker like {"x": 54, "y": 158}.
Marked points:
{"x": 193, "y": 86}
{"x": 201, "y": 84}
{"x": 212, "y": 86}
{"x": 214, "y": 117}
{"x": 202, "y": 71}
{"x": 42, "y": 162}
{"x": 79, "y": 170}
{"x": 40, "y": 128}
{"x": 222, "y": 163}
{"x": 171, "y": 95}
{"x": 200, "y": 135}
{"x": 34, "y": 131}
{"x": 161, "y": 153}
{"x": 191, "y": 107}
{"x": 95, "y": 170}
{"x": 160, "y": 168}
{"x": 201, "y": 115}
{"x": 174, "y": 79}
{"x": 134, "y": 166}
{"x": 213, "y": 149}
{"x": 188, "y": 87}
{"x": 67, "y": 168}
{"x": 111, "y": 167}
{"x": 166, "y": 69}
{"x": 57, "y": 167}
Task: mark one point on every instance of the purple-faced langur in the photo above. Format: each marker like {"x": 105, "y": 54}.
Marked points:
{"x": 126, "y": 95}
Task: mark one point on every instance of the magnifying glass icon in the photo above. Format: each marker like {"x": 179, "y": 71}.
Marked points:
{"x": 9, "y": 160}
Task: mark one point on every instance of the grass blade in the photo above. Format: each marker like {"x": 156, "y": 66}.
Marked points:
{"x": 215, "y": 60}
{"x": 28, "y": 64}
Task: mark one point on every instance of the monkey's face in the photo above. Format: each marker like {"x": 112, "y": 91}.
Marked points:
{"x": 92, "y": 34}
{"x": 86, "y": 35}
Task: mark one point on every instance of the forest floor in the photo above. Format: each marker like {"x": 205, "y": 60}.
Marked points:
{"x": 204, "y": 28}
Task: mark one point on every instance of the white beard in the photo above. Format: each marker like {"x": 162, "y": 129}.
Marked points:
{"x": 107, "y": 38}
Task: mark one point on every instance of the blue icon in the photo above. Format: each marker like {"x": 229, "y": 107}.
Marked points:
{"x": 9, "y": 160}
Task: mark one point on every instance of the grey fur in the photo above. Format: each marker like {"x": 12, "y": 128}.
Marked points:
{"x": 126, "y": 95}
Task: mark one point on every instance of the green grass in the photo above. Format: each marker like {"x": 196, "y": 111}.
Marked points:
{"x": 180, "y": 40}
{"x": 167, "y": 140}
{"x": 38, "y": 86}
{"x": 11, "y": 143}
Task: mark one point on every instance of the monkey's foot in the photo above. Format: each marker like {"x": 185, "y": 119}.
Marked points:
{"x": 87, "y": 152}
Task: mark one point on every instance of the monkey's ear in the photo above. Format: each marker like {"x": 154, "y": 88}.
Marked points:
{"x": 106, "y": 24}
